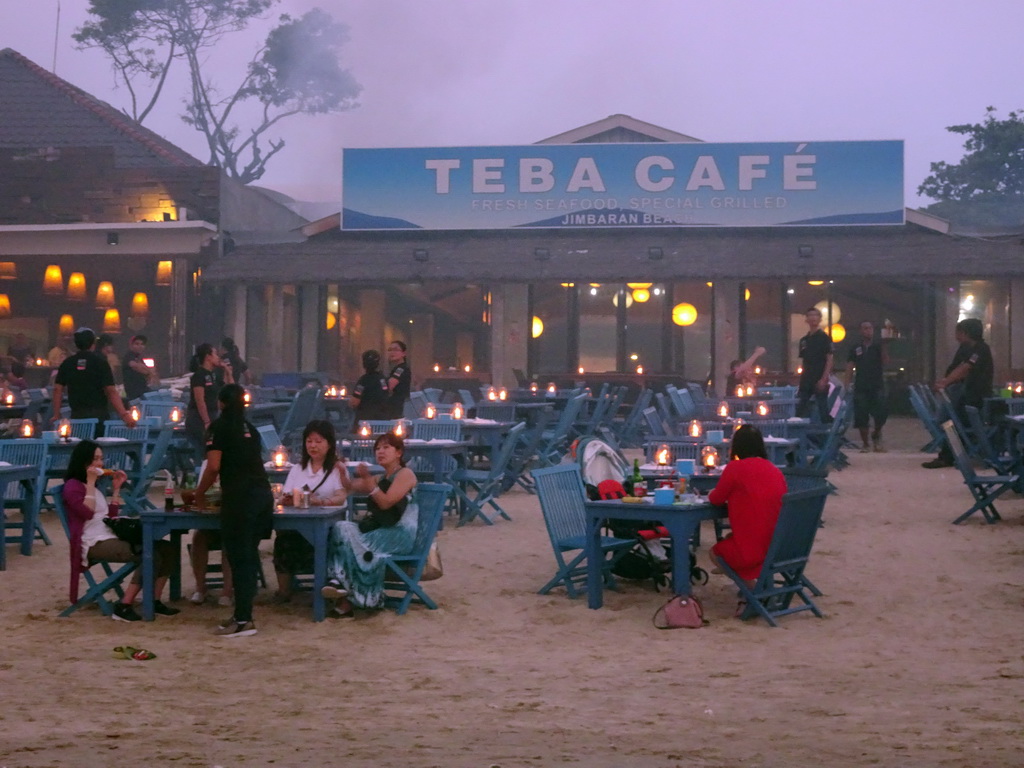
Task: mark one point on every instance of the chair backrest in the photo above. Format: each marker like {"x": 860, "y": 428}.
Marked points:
{"x": 803, "y": 478}
{"x": 24, "y": 451}
{"x": 655, "y": 424}
{"x": 960, "y": 457}
{"x": 496, "y": 411}
{"x": 661, "y": 402}
{"x": 62, "y": 512}
{"x": 84, "y": 429}
{"x": 468, "y": 401}
{"x": 117, "y": 428}
{"x": 433, "y": 394}
{"x": 500, "y": 462}
{"x": 781, "y": 407}
{"x": 924, "y": 413}
{"x": 696, "y": 392}
{"x": 776, "y": 392}
{"x": 521, "y": 380}
{"x": 160, "y": 408}
{"x": 951, "y": 414}
{"x": 798, "y": 523}
{"x": 301, "y": 411}
{"x": 430, "y": 500}
{"x": 436, "y": 429}
{"x": 830, "y": 449}
{"x": 269, "y": 439}
{"x": 419, "y": 402}
{"x": 377, "y": 426}
{"x": 986, "y": 450}
{"x": 562, "y": 497}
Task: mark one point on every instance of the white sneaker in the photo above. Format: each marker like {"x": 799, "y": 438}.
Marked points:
{"x": 236, "y": 629}
{"x": 198, "y": 598}
{"x": 225, "y": 601}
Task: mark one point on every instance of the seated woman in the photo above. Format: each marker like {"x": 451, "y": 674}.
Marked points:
{"x": 92, "y": 539}
{"x": 316, "y": 474}
{"x": 753, "y": 487}
{"x": 355, "y": 567}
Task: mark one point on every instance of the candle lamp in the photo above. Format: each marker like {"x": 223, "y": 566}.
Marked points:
{"x": 639, "y": 370}
{"x": 663, "y": 457}
{"x": 695, "y": 429}
{"x": 467, "y": 368}
{"x": 457, "y": 411}
{"x": 364, "y": 428}
{"x": 430, "y": 411}
{"x": 64, "y": 430}
{"x": 40, "y": 362}
{"x": 280, "y": 456}
{"x": 8, "y": 397}
{"x": 762, "y": 408}
{"x": 399, "y": 428}
{"x": 552, "y": 389}
{"x": 342, "y": 391}
{"x": 135, "y": 413}
{"x": 749, "y": 392}
{"x": 757, "y": 370}
{"x": 1018, "y": 388}
{"x": 27, "y": 428}
{"x": 739, "y": 390}
{"x": 709, "y": 458}
{"x": 332, "y": 391}
{"x": 723, "y": 409}
{"x": 437, "y": 367}
{"x": 175, "y": 415}
{"x": 503, "y": 394}
{"x": 491, "y": 394}
{"x": 533, "y": 386}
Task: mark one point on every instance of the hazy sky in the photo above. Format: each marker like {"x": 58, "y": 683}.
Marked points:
{"x": 469, "y": 72}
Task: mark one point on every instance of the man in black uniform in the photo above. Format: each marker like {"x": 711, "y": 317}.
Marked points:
{"x": 90, "y": 384}
{"x": 399, "y": 380}
{"x": 869, "y": 359}
{"x": 972, "y": 371}
{"x": 370, "y": 398}
{"x": 816, "y": 353}
{"x": 136, "y": 373}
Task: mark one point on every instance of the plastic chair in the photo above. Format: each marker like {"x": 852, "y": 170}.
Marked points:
{"x": 985, "y": 489}
{"x": 98, "y": 584}
{"x": 402, "y": 572}
{"x": 782, "y": 575}
{"x": 561, "y": 493}
{"x": 486, "y": 485}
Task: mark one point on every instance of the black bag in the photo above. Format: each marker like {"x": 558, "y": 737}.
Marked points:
{"x": 127, "y": 529}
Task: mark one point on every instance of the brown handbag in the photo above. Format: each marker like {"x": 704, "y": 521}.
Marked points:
{"x": 679, "y": 612}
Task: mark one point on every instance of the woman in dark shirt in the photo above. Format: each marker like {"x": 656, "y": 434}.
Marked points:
{"x": 208, "y": 376}
{"x": 233, "y": 452}
{"x": 355, "y": 559}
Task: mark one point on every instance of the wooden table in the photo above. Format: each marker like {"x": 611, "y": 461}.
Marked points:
{"x": 314, "y": 524}
{"x": 28, "y": 476}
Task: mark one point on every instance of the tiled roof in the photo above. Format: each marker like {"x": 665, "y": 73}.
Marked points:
{"x": 39, "y": 111}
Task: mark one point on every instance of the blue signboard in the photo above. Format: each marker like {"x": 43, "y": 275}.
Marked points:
{"x": 777, "y": 184}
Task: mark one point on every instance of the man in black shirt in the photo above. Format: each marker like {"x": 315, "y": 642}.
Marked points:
{"x": 399, "y": 380}
{"x": 971, "y": 371}
{"x": 370, "y": 397}
{"x": 135, "y": 372}
{"x": 869, "y": 359}
{"x": 89, "y": 383}
{"x": 816, "y": 353}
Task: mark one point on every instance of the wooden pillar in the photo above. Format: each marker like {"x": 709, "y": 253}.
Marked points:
{"x": 725, "y": 343}
{"x": 312, "y": 311}
{"x": 510, "y": 330}
{"x": 275, "y": 328}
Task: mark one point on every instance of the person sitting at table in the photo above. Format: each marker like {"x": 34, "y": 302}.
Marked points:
{"x": 742, "y": 372}
{"x": 753, "y": 488}
{"x": 314, "y": 473}
{"x": 356, "y": 551}
{"x": 93, "y": 540}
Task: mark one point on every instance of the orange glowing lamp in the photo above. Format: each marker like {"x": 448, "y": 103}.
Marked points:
{"x": 663, "y": 456}
{"x": 757, "y": 370}
{"x": 1018, "y": 388}
{"x": 800, "y": 369}
{"x": 695, "y": 429}
{"x": 175, "y": 415}
{"x": 762, "y": 408}
{"x": 343, "y": 391}
{"x": 8, "y": 397}
{"x": 739, "y": 391}
{"x": 533, "y": 386}
{"x": 457, "y": 412}
{"x": 709, "y": 457}
{"x": 430, "y": 412}
{"x": 639, "y": 370}
{"x": 364, "y": 428}
{"x": 503, "y": 394}
{"x": 552, "y": 389}
{"x": 332, "y": 391}
{"x": 723, "y": 409}
{"x": 135, "y": 413}
{"x": 749, "y": 391}
{"x": 399, "y": 428}
{"x": 437, "y": 367}
{"x": 64, "y": 430}
{"x": 467, "y": 368}
{"x": 491, "y": 394}
{"x": 280, "y": 456}
{"x": 27, "y": 428}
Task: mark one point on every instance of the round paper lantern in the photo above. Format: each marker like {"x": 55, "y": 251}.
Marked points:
{"x": 838, "y": 332}
{"x": 538, "y": 327}
{"x": 639, "y": 286}
{"x": 837, "y": 314}
{"x": 641, "y": 295}
{"x": 684, "y": 314}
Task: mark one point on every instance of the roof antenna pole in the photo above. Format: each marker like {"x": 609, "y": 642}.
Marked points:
{"x": 56, "y": 36}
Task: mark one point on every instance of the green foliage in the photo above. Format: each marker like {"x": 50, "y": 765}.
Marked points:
{"x": 295, "y": 71}
{"x": 986, "y": 188}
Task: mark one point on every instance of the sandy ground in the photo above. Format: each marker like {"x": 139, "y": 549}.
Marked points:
{"x": 917, "y": 663}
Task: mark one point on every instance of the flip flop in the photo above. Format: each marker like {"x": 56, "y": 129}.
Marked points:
{"x": 124, "y": 652}
{"x": 143, "y": 655}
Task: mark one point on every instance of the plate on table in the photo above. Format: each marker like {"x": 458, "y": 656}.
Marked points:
{"x": 111, "y": 439}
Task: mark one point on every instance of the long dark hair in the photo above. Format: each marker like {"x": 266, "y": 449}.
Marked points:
{"x": 393, "y": 440}
{"x": 81, "y": 457}
{"x": 326, "y": 430}
{"x": 200, "y": 354}
{"x": 747, "y": 442}
{"x": 231, "y": 399}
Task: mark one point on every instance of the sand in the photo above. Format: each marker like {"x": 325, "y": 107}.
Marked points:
{"x": 917, "y": 663}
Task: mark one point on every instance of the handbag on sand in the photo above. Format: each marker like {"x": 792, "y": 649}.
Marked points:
{"x": 680, "y": 611}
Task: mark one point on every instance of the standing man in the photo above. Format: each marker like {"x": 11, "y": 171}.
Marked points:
{"x": 972, "y": 370}
{"x": 137, "y": 375}
{"x": 399, "y": 380}
{"x": 90, "y": 384}
{"x": 869, "y": 361}
{"x": 816, "y": 353}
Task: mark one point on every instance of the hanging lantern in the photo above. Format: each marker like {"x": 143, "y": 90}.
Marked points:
{"x": 140, "y": 305}
{"x": 66, "y": 326}
{"x": 330, "y": 321}
{"x": 457, "y": 412}
{"x": 163, "y": 273}
{"x": 739, "y": 390}
{"x": 111, "y": 321}
{"x": 837, "y": 332}
{"x": 27, "y": 428}
{"x": 709, "y": 457}
{"x": 723, "y": 409}
{"x": 64, "y": 430}
{"x": 8, "y": 270}
{"x": 663, "y": 456}
{"x": 762, "y": 408}
{"x": 105, "y": 295}
{"x": 76, "y": 286}
{"x": 430, "y": 411}
{"x": 5, "y": 305}
{"x": 280, "y": 456}
{"x": 641, "y": 295}
{"x": 53, "y": 281}
{"x": 695, "y": 429}
{"x": 684, "y": 314}
{"x": 364, "y": 429}
{"x": 175, "y": 415}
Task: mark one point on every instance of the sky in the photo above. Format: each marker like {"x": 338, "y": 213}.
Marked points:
{"x": 494, "y": 72}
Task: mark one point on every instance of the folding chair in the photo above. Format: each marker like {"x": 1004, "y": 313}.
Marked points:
{"x": 402, "y": 572}
{"x": 656, "y": 426}
{"x": 301, "y": 411}
{"x": 137, "y": 497}
{"x": 98, "y": 584}
{"x": 269, "y": 439}
{"x": 487, "y": 484}
{"x": 985, "y": 489}
{"x": 928, "y": 419}
{"x": 84, "y": 429}
{"x": 562, "y": 495}
{"x": 782, "y": 575}
{"x": 628, "y": 432}
{"x": 555, "y": 442}
{"x": 967, "y": 438}
{"x": 987, "y": 452}
{"x": 24, "y": 451}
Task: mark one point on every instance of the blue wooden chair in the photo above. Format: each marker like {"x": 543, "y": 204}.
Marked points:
{"x": 782, "y": 575}
{"x": 679, "y": 448}
{"x": 555, "y": 442}
{"x": 437, "y": 429}
{"x": 98, "y": 583}
{"x": 562, "y": 495}
{"x": 985, "y": 489}
{"x": 628, "y": 431}
{"x": 84, "y": 429}
{"x": 927, "y": 417}
{"x": 655, "y": 426}
{"x": 495, "y": 411}
{"x": 137, "y": 497}
{"x": 486, "y": 485}
{"x": 468, "y": 401}
{"x": 304, "y": 405}
{"x": 377, "y": 426}
{"x": 402, "y": 572}
{"x": 1001, "y": 462}
{"x": 269, "y": 439}
{"x": 24, "y": 451}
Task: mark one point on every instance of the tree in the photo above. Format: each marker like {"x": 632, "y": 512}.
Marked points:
{"x": 295, "y": 71}
{"x": 986, "y": 187}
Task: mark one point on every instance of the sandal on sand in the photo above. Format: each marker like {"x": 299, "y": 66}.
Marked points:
{"x": 143, "y": 655}
{"x": 123, "y": 652}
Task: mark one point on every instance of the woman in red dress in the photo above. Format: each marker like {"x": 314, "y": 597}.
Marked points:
{"x": 753, "y": 488}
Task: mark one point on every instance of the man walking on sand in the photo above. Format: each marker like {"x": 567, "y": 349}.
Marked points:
{"x": 869, "y": 360}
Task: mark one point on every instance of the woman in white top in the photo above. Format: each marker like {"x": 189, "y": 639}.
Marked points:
{"x": 315, "y": 473}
